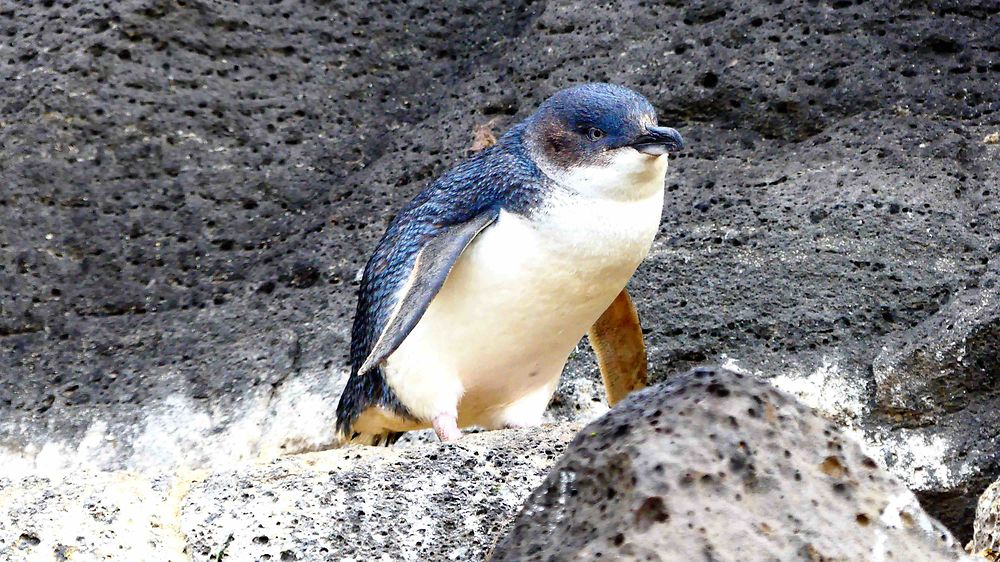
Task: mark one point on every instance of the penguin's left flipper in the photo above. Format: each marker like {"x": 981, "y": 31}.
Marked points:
{"x": 431, "y": 267}
{"x": 621, "y": 354}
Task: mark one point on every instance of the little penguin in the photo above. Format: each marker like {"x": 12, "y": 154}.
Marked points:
{"x": 485, "y": 282}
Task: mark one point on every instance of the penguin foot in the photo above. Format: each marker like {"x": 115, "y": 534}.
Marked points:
{"x": 446, "y": 427}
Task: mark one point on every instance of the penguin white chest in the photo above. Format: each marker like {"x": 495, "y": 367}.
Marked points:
{"x": 496, "y": 337}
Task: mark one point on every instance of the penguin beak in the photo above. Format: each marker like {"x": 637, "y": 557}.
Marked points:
{"x": 658, "y": 140}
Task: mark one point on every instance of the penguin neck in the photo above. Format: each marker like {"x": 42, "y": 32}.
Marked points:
{"x": 620, "y": 175}
{"x": 624, "y": 175}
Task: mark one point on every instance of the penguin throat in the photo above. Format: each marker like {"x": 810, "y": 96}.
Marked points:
{"x": 623, "y": 175}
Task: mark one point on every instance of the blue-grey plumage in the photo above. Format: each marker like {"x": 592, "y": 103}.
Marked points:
{"x": 559, "y": 158}
{"x": 502, "y": 176}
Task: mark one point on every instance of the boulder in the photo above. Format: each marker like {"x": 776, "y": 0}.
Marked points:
{"x": 715, "y": 465}
{"x": 986, "y": 539}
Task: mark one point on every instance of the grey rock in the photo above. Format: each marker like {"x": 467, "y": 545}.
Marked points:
{"x": 987, "y": 534}
{"x": 189, "y": 190}
{"x": 420, "y": 503}
{"x": 946, "y": 362}
{"x": 90, "y": 516}
{"x": 715, "y": 465}
{"x": 944, "y": 375}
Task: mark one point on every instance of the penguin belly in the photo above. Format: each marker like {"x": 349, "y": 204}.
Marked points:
{"x": 492, "y": 344}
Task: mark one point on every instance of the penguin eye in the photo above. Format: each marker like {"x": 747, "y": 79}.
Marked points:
{"x": 595, "y": 134}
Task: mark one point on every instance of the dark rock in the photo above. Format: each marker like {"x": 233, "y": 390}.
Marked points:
{"x": 183, "y": 181}
{"x": 683, "y": 471}
{"x": 946, "y": 363}
{"x": 944, "y": 374}
{"x": 185, "y": 191}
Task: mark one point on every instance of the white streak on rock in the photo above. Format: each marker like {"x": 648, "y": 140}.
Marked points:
{"x": 827, "y": 388}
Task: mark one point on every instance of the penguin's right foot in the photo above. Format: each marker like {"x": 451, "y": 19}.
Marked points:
{"x": 446, "y": 427}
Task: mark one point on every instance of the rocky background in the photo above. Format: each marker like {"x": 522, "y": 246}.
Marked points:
{"x": 189, "y": 189}
{"x": 712, "y": 465}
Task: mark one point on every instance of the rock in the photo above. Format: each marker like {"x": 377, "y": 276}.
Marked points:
{"x": 987, "y": 529}
{"x": 186, "y": 201}
{"x": 941, "y": 380}
{"x": 715, "y": 465}
{"x": 87, "y": 516}
{"x": 189, "y": 190}
{"x": 946, "y": 363}
{"x": 420, "y": 503}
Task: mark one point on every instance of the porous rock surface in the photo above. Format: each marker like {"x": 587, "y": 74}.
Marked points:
{"x": 91, "y": 516}
{"x": 987, "y": 526}
{"x": 189, "y": 190}
{"x": 946, "y": 371}
{"x": 715, "y": 465}
{"x": 421, "y": 503}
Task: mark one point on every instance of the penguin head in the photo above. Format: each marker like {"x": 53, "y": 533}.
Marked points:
{"x": 601, "y": 139}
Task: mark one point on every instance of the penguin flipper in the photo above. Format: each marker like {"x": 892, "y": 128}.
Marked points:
{"x": 621, "y": 354}
{"x": 430, "y": 269}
